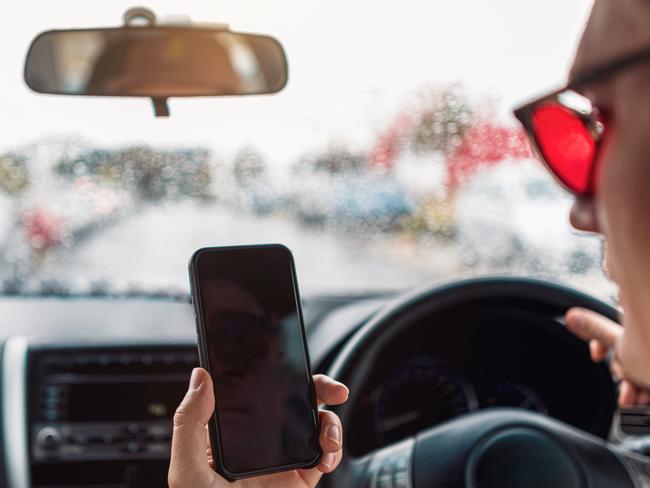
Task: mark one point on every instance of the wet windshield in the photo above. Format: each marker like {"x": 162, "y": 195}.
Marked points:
{"x": 389, "y": 161}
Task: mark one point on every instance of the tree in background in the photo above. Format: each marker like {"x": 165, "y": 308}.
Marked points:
{"x": 440, "y": 124}
{"x": 151, "y": 174}
{"x": 14, "y": 174}
{"x": 248, "y": 167}
{"x": 485, "y": 143}
{"x": 435, "y": 124}
{"x": 337, "y": 159}
{"x": 444, "y": 124}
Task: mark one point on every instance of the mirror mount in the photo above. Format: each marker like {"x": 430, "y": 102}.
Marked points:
{"x": 160, "y": 107}
{"x": 135, "y": 15}
{"x": 138, "y": 16}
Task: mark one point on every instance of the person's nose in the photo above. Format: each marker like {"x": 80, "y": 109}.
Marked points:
{"x": 583, "y": 215}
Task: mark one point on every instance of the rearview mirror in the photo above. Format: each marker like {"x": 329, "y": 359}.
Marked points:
{"x": 155, "y": 61}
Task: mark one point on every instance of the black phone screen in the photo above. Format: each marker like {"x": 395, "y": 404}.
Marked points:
{"x": 253, "y": 334}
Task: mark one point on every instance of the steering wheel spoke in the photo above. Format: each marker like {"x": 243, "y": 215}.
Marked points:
{"x": 391, "y": 467}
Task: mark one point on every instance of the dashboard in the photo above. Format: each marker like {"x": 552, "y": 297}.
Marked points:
{"x": 102, "y": 413}
{"x": 475, "y": 360}
{"x": 88, "y": 386}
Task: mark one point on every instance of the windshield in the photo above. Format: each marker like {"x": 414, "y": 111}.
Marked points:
{"x": 389, "y": 161}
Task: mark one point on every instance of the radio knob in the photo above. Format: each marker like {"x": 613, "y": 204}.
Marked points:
{"x": 49, "y": 438}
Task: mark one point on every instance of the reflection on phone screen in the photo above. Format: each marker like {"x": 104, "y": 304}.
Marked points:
{"x": 257, "y": 358}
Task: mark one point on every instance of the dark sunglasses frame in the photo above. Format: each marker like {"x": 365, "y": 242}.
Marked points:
{"x": 525, "y": 112}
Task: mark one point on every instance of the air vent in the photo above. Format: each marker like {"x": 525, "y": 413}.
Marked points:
{"x": 112, "y": 362}
{"x": 635, "y": 420}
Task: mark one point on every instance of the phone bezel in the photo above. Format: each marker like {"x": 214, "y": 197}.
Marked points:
{"x": 216, "y": 446}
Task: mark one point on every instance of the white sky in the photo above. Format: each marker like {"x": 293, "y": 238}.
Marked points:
{"x": 353, "y": 64}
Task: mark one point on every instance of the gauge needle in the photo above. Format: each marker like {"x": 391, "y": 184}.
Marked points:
{"x": 399, "y": 420}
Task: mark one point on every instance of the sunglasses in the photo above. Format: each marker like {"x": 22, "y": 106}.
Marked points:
{"x": 566, "y": 130}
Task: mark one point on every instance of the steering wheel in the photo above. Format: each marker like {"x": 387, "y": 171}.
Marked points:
{"x": 496, "y": 448}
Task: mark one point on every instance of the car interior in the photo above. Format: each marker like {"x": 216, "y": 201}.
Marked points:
{"x": 461, "y": 379}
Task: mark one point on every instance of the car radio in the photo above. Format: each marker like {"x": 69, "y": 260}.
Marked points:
{"x": 103, "y": 405}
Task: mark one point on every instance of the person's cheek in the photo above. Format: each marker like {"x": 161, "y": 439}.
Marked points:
{"x": 607, "y": 204}
{"x": 624, "y": 200}
{"x": 608, "y": 267}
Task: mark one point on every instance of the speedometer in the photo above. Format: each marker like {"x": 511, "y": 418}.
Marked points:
{"x": 508, "y": 394}
{"x": 422, "y": 393}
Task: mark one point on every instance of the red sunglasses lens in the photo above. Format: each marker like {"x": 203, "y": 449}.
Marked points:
{"x": 566, "y": 145}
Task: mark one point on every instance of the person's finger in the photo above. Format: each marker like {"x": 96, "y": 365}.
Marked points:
{"x": 329, "y": 391}
{"x": 643, "y": 398}
{"x": 188, "y": 456}
{"x": 616, "y": 369}
{"x": 208, "y": 450}
{"x": 332, "y": 451}
{"x": 330, "y": 461}
{"x": 331, "y": 432}
{"x": 598, "y": 351}
{"x": 589, "y": 325}
{"x": 627, "y": 394}
{"x": 311, "y": 477}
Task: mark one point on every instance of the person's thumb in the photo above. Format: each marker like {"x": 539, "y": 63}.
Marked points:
{"x": 189, "y": 455}
{"x": 589, "y": 325}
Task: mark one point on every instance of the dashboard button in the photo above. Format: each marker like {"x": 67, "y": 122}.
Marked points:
{"x": 158, "y": 448}
{"x": 401, "y": 480}
{"x": 402, "y": 463}
{"x": 49, "y": 438}
{"x": 385, "y": 482}
{"x": 385, "y": 476}
{"x": 79, "y": 439}
{"x": 133, "y": 447}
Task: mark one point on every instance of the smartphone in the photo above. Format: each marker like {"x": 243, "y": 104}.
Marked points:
{"x": 251, "y": 340}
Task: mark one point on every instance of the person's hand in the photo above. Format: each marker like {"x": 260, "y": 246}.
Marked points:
{"x": 604, "y": 337}
{"x": 191, "y": 459}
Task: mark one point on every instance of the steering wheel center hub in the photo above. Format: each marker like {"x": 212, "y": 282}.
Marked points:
{"x": 521, "y": 456}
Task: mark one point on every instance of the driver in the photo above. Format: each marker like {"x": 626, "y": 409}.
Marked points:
{"x": 603, "y": 157}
